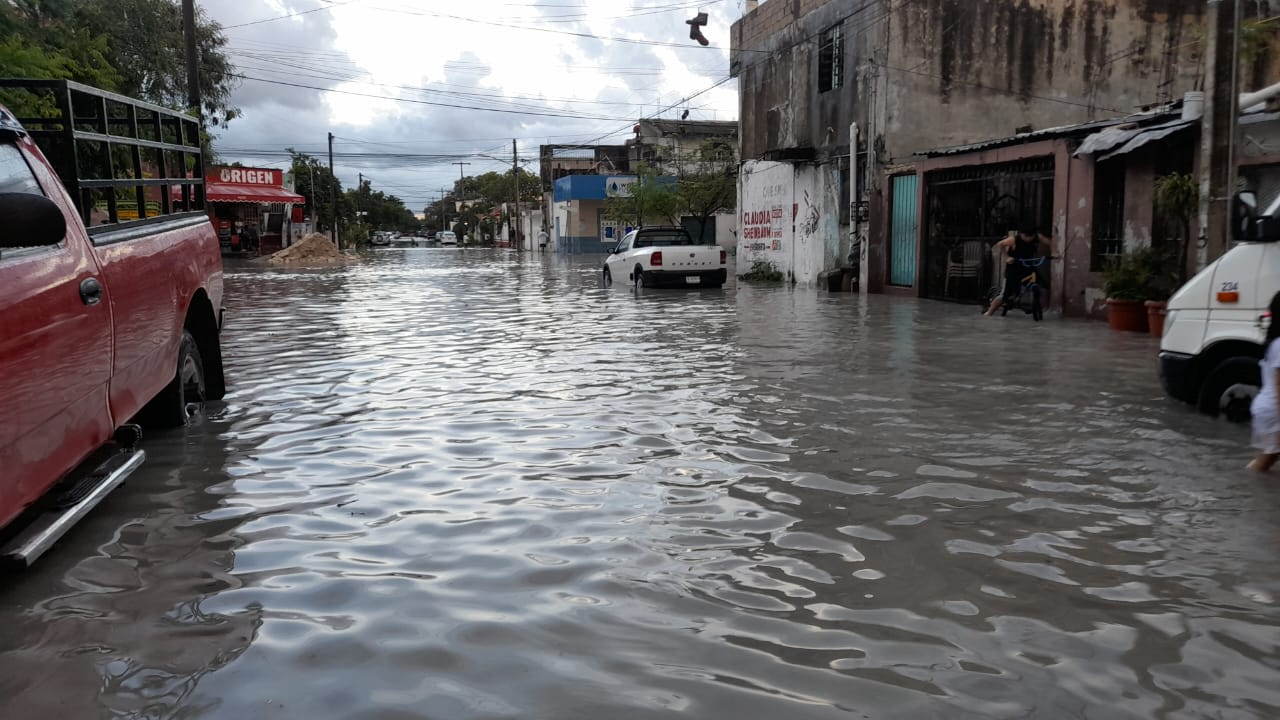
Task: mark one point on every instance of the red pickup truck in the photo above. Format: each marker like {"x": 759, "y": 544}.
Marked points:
{"x": 110, "y": 297}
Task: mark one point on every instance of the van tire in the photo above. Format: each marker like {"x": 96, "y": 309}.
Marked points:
{"x": 1229, "y": 389}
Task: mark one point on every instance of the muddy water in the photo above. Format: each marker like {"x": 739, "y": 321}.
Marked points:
{"x": 459, "y": 484}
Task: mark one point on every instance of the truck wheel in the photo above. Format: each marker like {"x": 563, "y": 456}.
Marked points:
{"x": 1229, "y": 389}
{"x": 638, "y": 276}
{"x": 608, "y": 278}
{"x": 185, "y": 393}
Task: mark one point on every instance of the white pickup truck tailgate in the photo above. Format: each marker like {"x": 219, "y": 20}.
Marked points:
{"x": 699, "y": 257}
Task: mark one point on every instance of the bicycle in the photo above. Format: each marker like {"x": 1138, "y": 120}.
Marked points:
{"x": 1028, "y": 297}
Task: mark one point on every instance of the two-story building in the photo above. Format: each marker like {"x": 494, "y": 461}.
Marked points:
{"x": 686, "y": 149}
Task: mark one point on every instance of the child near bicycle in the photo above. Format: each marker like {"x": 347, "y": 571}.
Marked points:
{"x": 1026, "y": 244}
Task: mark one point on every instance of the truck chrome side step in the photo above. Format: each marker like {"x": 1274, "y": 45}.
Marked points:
{"x": 44, "y": 531}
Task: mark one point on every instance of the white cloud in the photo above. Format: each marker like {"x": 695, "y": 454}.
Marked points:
{"x": 462, "y": 54}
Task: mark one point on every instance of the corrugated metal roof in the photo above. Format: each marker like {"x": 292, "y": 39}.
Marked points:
{"x": 1149, "y": 135}
{"x": 1051, "y": 133}
{"x": 1108, "y": 138}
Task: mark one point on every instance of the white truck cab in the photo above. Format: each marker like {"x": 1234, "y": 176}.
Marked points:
{"x": 1216, "y": 322}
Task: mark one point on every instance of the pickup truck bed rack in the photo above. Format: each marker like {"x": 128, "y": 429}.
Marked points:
{"x": 121, "y": 159}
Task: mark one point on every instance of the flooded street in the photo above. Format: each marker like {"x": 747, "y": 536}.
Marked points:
{"x": 474, "y": 484}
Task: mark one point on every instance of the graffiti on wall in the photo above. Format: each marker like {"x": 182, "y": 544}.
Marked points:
{"x": 762, "y": 223}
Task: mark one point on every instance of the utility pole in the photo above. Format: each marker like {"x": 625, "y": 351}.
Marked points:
{"x": 359, "y": 195}
{"x": 333, "y": 195}
{"x": 515, "y": 178}
{"x": 462, "y": 198}
{"x": 442, "y": 218}
{"x": 193, "y": 59}
{"x": 1218, "y": 128}
{"x": 311, "y": 166}
{"x": 460, "y": 177}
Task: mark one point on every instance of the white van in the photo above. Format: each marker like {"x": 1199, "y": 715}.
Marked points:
{"x": 447, "y": 238}
{"x": 1216, "y": 323}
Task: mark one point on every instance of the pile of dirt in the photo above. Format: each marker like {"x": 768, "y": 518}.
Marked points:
{"x": 314, "y": 249}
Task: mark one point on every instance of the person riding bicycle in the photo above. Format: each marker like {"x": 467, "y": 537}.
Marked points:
{"x": 1025, "y": 245}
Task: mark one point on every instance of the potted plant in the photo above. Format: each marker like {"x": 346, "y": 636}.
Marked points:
{"x": 1126, "y": 281}
{"x": 1177, "y": 199}
{"x": 1162, "y": 278}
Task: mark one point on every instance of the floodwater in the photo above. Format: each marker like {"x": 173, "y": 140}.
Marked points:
{"x": 473, "y": 484}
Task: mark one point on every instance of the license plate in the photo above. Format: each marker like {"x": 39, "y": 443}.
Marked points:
{"x": 692, "y": 279}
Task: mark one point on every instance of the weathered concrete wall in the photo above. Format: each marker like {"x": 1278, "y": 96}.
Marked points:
{"x": 961, "y": 72}
{"x": 578, "y": 226}
{"x": 775, "y": 57}
{"x": 765, "y": 234}
{"x": 789, "y": 216}
{"x": 816, "y": 215}
{"x": 727, "y": 230}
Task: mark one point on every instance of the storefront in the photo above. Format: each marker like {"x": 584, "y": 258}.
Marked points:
{"x": 251, "y": 208}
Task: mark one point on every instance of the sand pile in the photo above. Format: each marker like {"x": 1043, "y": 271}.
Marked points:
{"x": 314, "y": 249}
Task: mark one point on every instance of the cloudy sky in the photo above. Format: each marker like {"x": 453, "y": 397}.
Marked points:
{"x": 409, "y": 87}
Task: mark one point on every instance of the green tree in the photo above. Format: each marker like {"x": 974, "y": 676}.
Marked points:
{"x": 1177, "y": 199}
{"x": 708, "y": 183}
{"x": 380, "y": 211}
{"x": 650, "y": 200}
{"x": 133, "y": 47}
{"x": 313, "y": 181}
{"x": 497, "y": 187}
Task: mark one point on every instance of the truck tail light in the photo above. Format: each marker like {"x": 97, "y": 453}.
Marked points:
{"x": 655, "y": 259}
{"x": 722, "y": 257}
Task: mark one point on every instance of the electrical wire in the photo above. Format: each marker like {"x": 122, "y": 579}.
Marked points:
{"x": 332, "y": 4}
{"x": 420, "y": 102}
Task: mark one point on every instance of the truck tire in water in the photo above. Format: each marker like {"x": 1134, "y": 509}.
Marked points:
{"x": 607, "y": 278}
{"x": 172, "y": 407}
{"x": 638, "y": 275}
{"x": 1229, "y": 389}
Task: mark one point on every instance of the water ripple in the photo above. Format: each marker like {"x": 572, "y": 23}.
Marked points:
{"x": 461, "y": 484}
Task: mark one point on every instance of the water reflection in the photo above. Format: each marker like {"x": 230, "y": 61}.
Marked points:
{"x": 460, "y": 484}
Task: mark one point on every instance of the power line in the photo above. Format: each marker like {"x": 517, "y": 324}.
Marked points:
{"x": 669, "y": 107}
{"x": 353, "y": 78}
{"x": 493, "y": 23}
{"x": 578, "y": 116}
{"x": 332, "y": 4}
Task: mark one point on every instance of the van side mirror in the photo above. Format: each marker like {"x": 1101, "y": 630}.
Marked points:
{"x": 30, "y": 220}
{"x": 1244, "y": 217}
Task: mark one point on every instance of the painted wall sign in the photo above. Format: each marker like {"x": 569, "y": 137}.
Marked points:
{"x": 246, "y": 176}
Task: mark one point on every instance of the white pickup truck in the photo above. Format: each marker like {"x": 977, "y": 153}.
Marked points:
{"x": 1216, "y": 323}
{"x": 658, "y": 256}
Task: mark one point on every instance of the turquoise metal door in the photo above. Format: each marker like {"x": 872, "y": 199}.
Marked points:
{"x": 902, "y": 243}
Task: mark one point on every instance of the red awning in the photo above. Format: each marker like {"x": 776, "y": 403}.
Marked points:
{"x": 217, "y": 192}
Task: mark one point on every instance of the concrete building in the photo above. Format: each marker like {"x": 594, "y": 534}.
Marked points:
{"x": 579, "y": 211}
{"x": 672, "y": 147}
{"x": 561, "y": 161}
{"x": 685, "y": 148}
{"x": 838, "y": 97}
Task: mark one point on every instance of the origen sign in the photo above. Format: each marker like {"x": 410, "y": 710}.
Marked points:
{"x": 248, "y": 176}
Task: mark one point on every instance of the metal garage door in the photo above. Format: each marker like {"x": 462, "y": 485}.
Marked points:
{"x": 902, "y": 244}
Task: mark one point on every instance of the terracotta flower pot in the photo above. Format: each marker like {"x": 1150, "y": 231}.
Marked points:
{"x": 1155, "y": 317}
{"x": 1128, "y": 315}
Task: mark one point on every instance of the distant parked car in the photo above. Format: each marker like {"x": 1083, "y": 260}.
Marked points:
{"x": 447, "y": 237}
{"x": 658, "y": 256}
